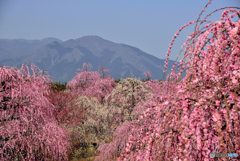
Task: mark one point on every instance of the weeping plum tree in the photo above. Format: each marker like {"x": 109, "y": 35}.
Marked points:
{"x": 147, "y": 75}
{"x": 92, "y": 83}
{"x": 66, "y": 111}
{"x": 28, "y": 128}
{"x": 102, "y": 86}
{"x": 126, "y": 95}
{"x": 82, "y": 80}
{"x": 203, "y": 115}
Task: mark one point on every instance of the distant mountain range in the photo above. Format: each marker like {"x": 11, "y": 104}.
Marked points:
{"x": 61, "y": 59}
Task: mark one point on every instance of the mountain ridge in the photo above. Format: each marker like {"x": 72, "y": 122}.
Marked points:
{"x": 62, "y": 58}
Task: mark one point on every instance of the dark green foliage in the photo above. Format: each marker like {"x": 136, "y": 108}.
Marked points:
{"x": 143, "y": 80}
{"x": 117, "y": 80}
{"x": 59, "y": 86}
{"x": 147, "y": 79}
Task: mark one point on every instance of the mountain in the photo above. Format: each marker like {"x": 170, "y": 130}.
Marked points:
{"x": 13, "y": 49}
{"x": 61, "y": 59}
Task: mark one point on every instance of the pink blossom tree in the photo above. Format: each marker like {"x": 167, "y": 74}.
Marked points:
{"x": 103, "y": 71}
{"x": 66, "y": 111}
{"x": 102, "y": 86}
{"x": 83, "y": 80}
{"x": 28, "y": 129}
{"x": 202, "y": 117}
{"x": 91, "y": 83}
{"x": 147, "y": 75}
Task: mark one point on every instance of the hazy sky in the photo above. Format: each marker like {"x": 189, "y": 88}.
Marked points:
{"x": 146, "y": 24}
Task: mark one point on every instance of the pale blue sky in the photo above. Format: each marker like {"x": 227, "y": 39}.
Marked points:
{"x": 146, "y": 24}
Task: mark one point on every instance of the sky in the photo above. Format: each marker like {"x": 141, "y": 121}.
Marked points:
{"x": 146, "y": 24}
